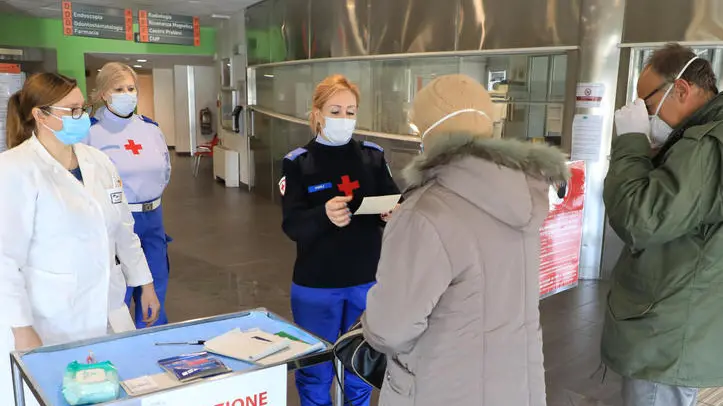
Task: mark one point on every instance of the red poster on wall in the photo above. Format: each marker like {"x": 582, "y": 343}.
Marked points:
{"x": 67, "y": 18}
{"x": 561, "y": 235}
{"x": 196, "y": 32}
{"x": 143, "y": 25}
{"x": 9, "y": 68}
{"x": 129, "y": 24}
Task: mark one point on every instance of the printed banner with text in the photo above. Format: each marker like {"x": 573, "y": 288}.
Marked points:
{"x": 561, "y": 235}
{"x": 262, "y": 387}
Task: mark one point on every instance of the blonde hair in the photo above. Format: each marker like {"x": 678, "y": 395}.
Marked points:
{"x": 325, "y": 90}
{"x": 109, "y": 75}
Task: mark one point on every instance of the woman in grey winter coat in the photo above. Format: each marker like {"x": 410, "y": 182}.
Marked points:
{"x": 455, "y": 308}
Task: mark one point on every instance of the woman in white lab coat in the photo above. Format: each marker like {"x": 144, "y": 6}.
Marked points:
{"x": 63, "y": 220}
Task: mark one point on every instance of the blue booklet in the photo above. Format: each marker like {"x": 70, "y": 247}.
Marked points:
{"x": 189, "y": 367}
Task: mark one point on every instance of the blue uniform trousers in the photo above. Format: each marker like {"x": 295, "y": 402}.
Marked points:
{"x": 149, "y": 228}
{"x": 328, "y": 313}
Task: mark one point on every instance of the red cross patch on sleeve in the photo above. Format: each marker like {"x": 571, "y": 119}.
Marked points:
{"x": 282, "y": 186}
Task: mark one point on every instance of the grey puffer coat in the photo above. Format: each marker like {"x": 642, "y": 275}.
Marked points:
{"x": 456, "y": 304}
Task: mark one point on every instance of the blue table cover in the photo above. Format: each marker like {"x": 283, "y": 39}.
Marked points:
{"x": 138, "y": 355}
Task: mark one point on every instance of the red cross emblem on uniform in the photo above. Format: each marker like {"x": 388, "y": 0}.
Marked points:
{"x": 282, "y": 186}
{"x": 347, "y": 186}
{"x": 133, "y": 147}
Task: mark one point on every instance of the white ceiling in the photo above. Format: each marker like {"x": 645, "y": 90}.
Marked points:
{"x": 200, "y": 8}
{"x": 96, "y": 61}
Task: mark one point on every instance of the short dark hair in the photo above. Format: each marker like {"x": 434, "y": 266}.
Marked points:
{"x": 669, "y": 60}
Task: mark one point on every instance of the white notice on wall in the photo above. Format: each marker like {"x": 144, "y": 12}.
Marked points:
{"x": 586, "y": 137}
{"x": 589, "y": 95}
{"x": 9, "y": 84}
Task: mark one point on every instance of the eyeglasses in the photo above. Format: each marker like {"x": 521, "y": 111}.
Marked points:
{"x": 660, "y": 88}
{"x": 75, "y": 112}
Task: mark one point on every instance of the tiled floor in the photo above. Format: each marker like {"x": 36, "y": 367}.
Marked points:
{"x": 229, "y": 254}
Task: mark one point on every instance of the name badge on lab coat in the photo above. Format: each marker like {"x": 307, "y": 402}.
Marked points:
{"x": 116, "y": 195}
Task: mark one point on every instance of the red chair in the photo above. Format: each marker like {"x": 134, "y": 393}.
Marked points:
{"x": 201, "y": 151}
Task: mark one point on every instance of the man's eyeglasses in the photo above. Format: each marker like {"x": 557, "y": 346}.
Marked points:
{"x": 659, "y": 88}
{"x": 75, "y": 112}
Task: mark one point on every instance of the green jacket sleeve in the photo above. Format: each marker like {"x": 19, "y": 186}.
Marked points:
{"x": 649, "y": 205}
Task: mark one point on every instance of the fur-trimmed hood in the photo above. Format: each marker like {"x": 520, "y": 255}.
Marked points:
{"x": 537, "y": 160}
{"x": 503, "y": 177}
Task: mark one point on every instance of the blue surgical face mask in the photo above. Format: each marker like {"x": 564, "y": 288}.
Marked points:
{"x": 74, "y": 130}
{"x": 124, "y": 104}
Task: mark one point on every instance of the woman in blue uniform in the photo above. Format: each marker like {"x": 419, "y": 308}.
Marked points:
{"x": 337, "y": 254}
{"x": 138, "y": 148}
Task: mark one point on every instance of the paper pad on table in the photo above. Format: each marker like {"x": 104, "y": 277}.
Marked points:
{"x": 249, "y": 346}
{"x": 149, "y": 384}
{"x": 378, "y": 204}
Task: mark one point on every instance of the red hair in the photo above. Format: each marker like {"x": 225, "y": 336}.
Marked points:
{"x": 325, "y": 90}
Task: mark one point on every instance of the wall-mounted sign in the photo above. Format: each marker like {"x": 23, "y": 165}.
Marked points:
{"x": 9, "y": 68}
{"x": 11, "y": 81}
{"x": 83, "y": 20}
{"x": 589, "y": 95}
{"x": 161, "y": 28}
{"x": 587, "y": 131}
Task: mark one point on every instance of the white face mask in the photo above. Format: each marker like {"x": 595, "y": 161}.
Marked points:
{"x": 124, "y": 103}
{"x": 338, "y": 131}
{"x": 450, "y": 115}
{"x": 659, "y": 129}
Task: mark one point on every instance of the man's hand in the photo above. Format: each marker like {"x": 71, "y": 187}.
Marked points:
{"x": 633, "y": 119}
{"x": 26, "y": 339}
{"x": 150, "y": 304}
{"x": 338, "y": 212}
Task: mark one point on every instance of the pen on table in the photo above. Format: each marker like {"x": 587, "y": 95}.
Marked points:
{"x": 199, "y": 342}
{"x": 261, "y": 339}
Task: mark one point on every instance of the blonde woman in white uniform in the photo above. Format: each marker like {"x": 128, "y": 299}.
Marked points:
{"x": 63, "y": 220}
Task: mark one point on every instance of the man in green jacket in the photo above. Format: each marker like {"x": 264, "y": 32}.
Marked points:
{"x": 664, "y": 197}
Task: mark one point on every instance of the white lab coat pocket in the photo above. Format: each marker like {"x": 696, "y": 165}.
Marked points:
{"x": 117, "y": 288}
{"x": 50, "y": 293}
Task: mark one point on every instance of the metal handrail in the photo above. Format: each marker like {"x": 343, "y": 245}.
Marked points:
{"x": 366, "y": 133}
{"x": 411, "y": 55}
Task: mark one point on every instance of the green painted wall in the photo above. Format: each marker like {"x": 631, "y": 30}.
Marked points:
{"x": 21, "y": 31}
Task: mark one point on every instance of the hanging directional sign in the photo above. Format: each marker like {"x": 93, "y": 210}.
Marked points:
{"x": 83, "y": 20}
{"x": 162, "y": 28}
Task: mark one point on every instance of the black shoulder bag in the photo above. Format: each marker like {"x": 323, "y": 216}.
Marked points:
{"x": 360, "y": 358}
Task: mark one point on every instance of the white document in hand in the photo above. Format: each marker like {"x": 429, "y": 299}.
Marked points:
{"x": 378, "y": 204}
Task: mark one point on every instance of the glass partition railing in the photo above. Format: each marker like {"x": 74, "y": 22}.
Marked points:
{"x": 529, "y": 90}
